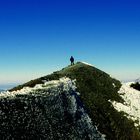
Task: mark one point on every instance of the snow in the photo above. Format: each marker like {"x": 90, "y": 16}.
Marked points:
{"x": 87, "y": 64}
{"x": 113, "y": 85}
{"x": 131, "y": 106}
{"x": 63, "y": 99}
{"x": 47, "y": 84}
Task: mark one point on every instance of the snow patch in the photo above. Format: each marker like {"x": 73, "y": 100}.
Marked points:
{"x": 87, "y": 64}
{"x": 46, "y": 85}
{"x": 131, "y": 106}
{"x": 113, "y": 85}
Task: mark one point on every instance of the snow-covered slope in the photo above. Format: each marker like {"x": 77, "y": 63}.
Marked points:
{"x": 131, "y": 106}
{"x": 52, "y": 110}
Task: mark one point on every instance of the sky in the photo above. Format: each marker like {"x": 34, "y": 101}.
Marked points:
{"x": 37, "y": 37}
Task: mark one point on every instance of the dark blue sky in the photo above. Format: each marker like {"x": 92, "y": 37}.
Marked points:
{"x": 38, "y": 37}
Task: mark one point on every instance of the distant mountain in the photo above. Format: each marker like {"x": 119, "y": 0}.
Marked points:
{"x": 7, "y": 86}
{"x": 137, "y": 80}
{"x": 1, "y": 90}
{"x": 57, "y": 111}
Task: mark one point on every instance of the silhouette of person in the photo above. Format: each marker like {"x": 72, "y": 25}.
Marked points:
{"x": 72, "y": 60}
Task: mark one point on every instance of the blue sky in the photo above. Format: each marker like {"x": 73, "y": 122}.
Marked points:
{"x": 38, "y": 37}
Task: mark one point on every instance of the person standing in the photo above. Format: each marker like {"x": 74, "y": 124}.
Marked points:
{"x": 72, "y": 60}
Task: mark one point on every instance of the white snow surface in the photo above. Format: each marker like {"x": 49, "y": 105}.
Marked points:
{"x": 113, "y": 85}
{"x": 131, "y": 106}
{"x": 87, "y": 64}
{"x": 46, "y": 85}
{"x": 68, "y": 85}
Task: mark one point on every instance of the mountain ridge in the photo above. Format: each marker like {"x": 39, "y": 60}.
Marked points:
{"x": 52, "y": 110}
{"x": 97, "y": 89}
